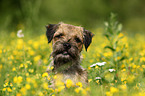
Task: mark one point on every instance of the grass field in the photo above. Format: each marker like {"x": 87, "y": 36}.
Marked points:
{"x": 23, "y": 62}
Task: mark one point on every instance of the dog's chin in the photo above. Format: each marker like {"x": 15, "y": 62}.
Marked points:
{"x": 63, "y": 57}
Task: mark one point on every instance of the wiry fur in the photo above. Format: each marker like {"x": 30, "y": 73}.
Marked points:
{"x": 68, "y": 41}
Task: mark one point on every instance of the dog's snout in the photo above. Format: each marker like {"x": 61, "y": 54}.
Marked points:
{"x": 67, "y": 45}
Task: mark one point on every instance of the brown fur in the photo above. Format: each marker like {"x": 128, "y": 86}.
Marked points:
{"x": 68, "y": 42}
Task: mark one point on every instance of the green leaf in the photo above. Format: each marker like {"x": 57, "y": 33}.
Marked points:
{"x": 107, "y": 36}
{"x": 109, "y": 47}
{"x": 124, "y": 57}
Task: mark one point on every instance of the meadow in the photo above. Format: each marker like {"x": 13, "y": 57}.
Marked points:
{"x": 115, "y": 62}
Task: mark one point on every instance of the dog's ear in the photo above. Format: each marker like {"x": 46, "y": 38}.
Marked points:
{"x": 87, "y": 38}
{"x": 50, "y": 30}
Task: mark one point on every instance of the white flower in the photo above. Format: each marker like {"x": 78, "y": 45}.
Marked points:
{"x": 20, "y": 34}
{"x": 98, "y": 78}
{"x": 93, "y": 65}
{"x": 99, "y": 64}
{"x": 111, "y": 70}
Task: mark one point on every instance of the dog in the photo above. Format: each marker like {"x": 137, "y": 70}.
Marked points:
{"x": 68, "y": 41}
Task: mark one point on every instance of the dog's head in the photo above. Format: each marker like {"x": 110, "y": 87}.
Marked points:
{"x": 67, "y": 41}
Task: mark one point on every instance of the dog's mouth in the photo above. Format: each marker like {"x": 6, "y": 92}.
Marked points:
{"x": 63, "y": 53}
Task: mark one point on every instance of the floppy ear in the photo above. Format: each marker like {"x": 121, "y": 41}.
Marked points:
{"x": 50, "y": 30}
{"x": 87, "y": 38}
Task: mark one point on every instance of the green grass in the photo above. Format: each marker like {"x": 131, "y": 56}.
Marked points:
{"x": 23, "y": 62}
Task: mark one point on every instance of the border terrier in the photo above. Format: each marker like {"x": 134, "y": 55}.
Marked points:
{"x": 67, "y": 43}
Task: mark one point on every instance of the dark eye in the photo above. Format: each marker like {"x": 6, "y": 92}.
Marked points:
{"x": 58, "y": 36}
{"x": 78, "y": 40}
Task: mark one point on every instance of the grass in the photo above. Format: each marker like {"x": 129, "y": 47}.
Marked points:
{"x": 23, "y": 62}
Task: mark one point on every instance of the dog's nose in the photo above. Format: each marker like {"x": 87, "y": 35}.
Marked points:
{"x": 67, "y": 45}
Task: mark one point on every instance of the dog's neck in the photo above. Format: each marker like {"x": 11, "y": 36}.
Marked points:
{"x": 65, "y": 67}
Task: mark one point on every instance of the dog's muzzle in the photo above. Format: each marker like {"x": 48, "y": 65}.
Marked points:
{"x": 67, "y": 45}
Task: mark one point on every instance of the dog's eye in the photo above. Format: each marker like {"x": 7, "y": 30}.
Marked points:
{"x": 77, "y": 40}
{"x": 58, "y": 36}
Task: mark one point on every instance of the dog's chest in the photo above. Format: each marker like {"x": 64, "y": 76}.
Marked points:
{"x": 63, "y": 77}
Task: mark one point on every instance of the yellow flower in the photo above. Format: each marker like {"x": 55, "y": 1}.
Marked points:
{"x": 40, "y": 94}
{"x": 9, "y": 89}
{"x": 30, "y": 42}
{"x": 143, "y": 66}
{"x": 77, "y": 90}
{"x": 45, "y": 61}
{"x": 45, "y": 74}
{"x": 113, "y": 90}
{"x": 6, "y": 84}
{"x": 97, "y": 82}
{"x": 51, "y": 67}
{"x": 89, "y": 68}
{"x": 87, "y": 89}
{"x": 130, "y": 59}
{"x": 31, "y": 52}
{"x": 69, "y": 83}
{"x": 123, "y": 70}
{"x": 84, "y": 92}
{"x": 15, "y": 79}
{"x": 20, "y": 43}
{"x": 120, "y": 35}
{"x": 59, "y": 83}
{"x": 89, "y": 80}
{"x": 45, "y": 85}
{"x": 37, "y": 58}
{"x": 27, "y": 86}
{"x": 130, "y": 78}
{"x": 142, "y": 59}
{"x": 1, "y": 66}
{"x": 123, "y": 87}
{"x": 11, "y": 84}
{"x": 23, "y": 91}
{"x": 134, "y": 66}
{"x": 54, "y": 77}
{"x": 108, "y": 54}
{"x": 21, "y": 65}
{"x": 117, "y": 49}
{"x": 15, "y": 52}
{"x": 31, "y": 70}
{"x": 14, "y": 69}
{"x": 109, "y": 94}
{"x": 79, "y": 84}
{"x": 28, "y": 79}
{"x": 14, "y": 88}
{"x": 35, "y": 45}
{"x": 48, "y": 78}
{"x": 4, "y": 89}
{"x": 18, "y": 94}
{"x": 26, "y": 66}
{"x": 0, "y": 51}
{"x": 20, "y": 79}
{"x": 27, "y": 74}
{"x": 91, "y": 60}
{"x": 96, "y": 67}
{"x": 33, "y": 92}
{"x": 61, "y": 88}
{"x": 118, "y": 58}
{"x": 34, "y": 84}
{"x": 122, "y": 66}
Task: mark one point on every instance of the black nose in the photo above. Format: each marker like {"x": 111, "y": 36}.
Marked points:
{"x": 67, "y": 45}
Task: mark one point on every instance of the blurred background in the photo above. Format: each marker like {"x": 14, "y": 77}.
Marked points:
{"x": 35, "y": 14}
